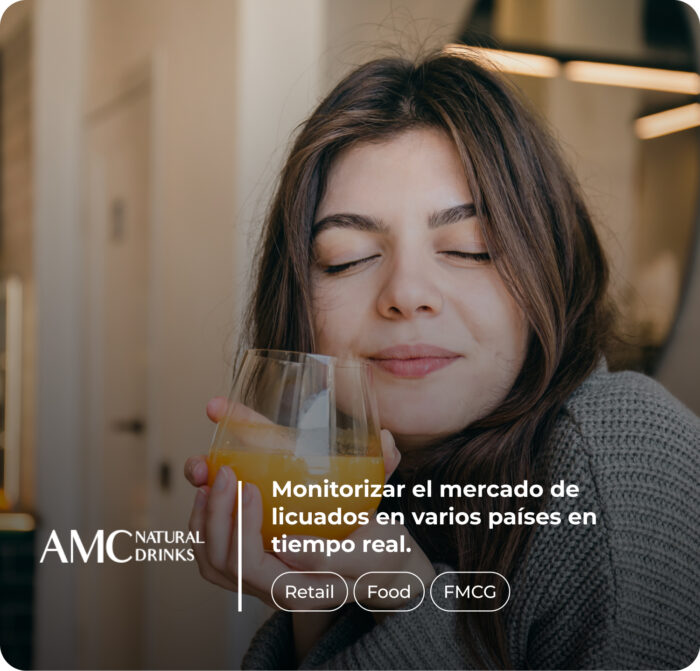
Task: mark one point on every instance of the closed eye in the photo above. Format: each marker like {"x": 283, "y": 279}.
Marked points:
{"x": 339, "y": 268}
{"x": 479, "y": 257}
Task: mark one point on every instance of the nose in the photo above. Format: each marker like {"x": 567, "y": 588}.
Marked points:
{"x": 408, "y": 291}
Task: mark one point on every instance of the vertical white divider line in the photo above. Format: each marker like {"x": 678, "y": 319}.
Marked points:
{"x": 239, "y": 517}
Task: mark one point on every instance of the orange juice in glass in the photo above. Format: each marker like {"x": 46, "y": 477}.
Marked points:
{"x": 303, "y": 419}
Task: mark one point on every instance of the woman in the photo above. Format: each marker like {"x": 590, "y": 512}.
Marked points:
{"x": 425, "y": 221}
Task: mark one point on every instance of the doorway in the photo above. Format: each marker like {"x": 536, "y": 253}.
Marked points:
{"x": 117, "y": 202}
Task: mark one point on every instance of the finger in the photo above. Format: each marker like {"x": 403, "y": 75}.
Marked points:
{"x": 219, "y": 517}
{"x": 229, "y": 581}
{"x": 252, "y": 519}
{"x": 390, "y": 452}
{"x": 197, "y": 525}
{"x": 196, "y": 470}
{"x": 260, "y": 568}
{"x": 305, "y": 561}
{"x": 218, "y": 408}
{"x": 348, "y": 564}
{"x": 343, "y": 562}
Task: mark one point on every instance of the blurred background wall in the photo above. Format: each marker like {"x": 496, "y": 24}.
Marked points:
{"x": 140, "y": 142}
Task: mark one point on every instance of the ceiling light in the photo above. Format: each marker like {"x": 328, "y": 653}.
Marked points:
{"x": 670, "y": 121}
{"x": 513, "y": 62}
{"x": 674, "y": 81}
{"x": 610, "y": 74}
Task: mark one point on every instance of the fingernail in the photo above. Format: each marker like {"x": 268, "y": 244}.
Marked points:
{"x": 200, "y": 498}
{"x": 215, "y": 406}
{"x": 221, "y": 479}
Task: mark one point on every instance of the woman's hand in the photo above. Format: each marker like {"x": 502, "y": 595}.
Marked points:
{"x": 214, "y": 519}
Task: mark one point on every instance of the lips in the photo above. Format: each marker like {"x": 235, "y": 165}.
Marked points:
{"x": 413, "y": 361}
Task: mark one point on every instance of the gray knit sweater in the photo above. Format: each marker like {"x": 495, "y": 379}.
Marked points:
{"x": 623, "y": 594}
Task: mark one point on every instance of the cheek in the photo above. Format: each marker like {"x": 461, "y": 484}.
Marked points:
{"x": 336, "y": 317}
{"x": 327, "y": 332}
{"x": 515, "y": 328}
{"x": 494, "y": 319}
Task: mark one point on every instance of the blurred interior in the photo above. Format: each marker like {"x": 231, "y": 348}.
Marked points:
{"x": 139, "y": 141}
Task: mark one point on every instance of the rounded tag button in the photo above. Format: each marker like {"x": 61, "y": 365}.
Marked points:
{"x": 309, "y": 591}
{"x": 470, "y": 591}
{"x": 388, "y": 591}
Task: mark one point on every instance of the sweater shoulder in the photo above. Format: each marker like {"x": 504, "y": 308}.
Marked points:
{"x": 632, "y": 440}
{"x": 633, "y": 450}
{"x": 635, "y": 414}
{"x": 624, "y": 395}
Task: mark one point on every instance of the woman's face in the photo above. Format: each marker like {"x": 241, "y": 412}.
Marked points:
{"x": 402, "y": 278}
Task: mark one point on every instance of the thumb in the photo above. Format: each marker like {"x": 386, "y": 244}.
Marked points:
{"x": 220, "y": 407}
{"x": 390, "y": 452}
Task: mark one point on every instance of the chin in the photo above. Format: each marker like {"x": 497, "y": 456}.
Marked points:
{"x": 426, "y": 421}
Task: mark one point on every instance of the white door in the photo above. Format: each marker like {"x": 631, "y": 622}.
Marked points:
{"x": 117, "y": 200}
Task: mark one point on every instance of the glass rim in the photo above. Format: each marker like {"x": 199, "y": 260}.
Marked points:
{"x": 327, "y": 359}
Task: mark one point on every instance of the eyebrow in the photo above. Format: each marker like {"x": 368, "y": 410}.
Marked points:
{"x": 359, "y": 222}
{"x": 362, "y": 222}
{"x": 451, "y": 215}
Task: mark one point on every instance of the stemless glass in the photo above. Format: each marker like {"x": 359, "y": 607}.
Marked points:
{"x": 306, "y": 419}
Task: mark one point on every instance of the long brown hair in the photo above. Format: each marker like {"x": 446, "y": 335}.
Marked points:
{"x": 542, "y": 242}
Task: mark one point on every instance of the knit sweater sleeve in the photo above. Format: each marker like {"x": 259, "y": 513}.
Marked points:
{"x": 423, "y": 638}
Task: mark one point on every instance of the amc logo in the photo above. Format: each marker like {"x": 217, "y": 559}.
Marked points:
{"x": 98, "y": 545}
